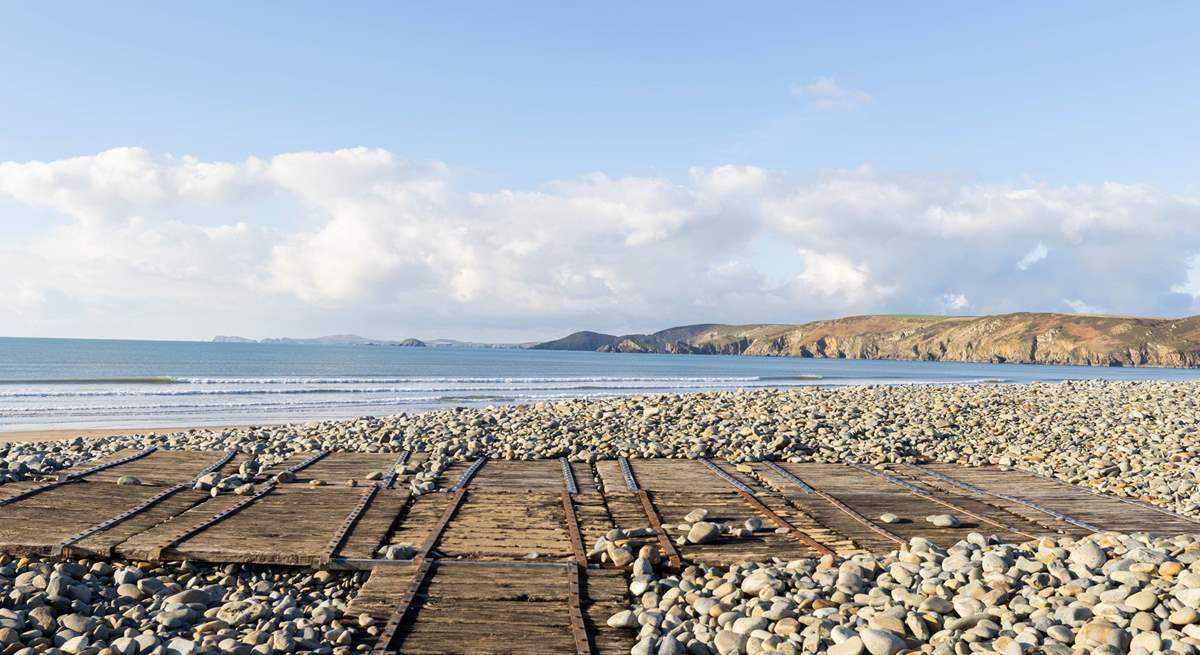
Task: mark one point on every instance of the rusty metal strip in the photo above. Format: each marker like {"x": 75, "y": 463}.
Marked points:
{"x": 72, "y": 477}
{"x": 568, "y": 476}
{"x": 921, "y": 493}
{"x": 313, "y": 459}
{"x": 630, "y": 481}
{"x": 789, "y": 476}
{"x": 348, "y": 524}
{"x": 583, "y": 646}
{"x": 436, "y": 533}
{"x": 229, "y": 454}
{"x": 573, "y": 530}
{"x": 674, "y": 561}
{"x": 100, "y": 467}
{"x": 466, "y": 476}
{"x": 424, "y": 561}
{"x": 109, "y": 522}
{"x": 962, "y": 484}
{"x": 383, "y": 645}
{"x": 749, "y": 496}
{"x": 390, "y": 478}
{"x": 179, "y": 536}
{"x": 664, "y": 540}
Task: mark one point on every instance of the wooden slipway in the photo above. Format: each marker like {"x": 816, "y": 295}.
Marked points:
{"x": 498, "y": 555}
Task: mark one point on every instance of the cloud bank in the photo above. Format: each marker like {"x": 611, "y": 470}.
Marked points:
{"x": 133, "y": 243}
{"x": 828, "y": 93}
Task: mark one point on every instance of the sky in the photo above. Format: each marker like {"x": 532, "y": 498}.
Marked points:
{"x": 516, "y": 171}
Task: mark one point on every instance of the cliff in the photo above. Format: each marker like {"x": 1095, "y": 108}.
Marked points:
{"x": 1027, "y": 338}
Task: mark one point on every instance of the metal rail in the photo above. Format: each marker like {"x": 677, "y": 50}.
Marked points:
{"x": 748, "y": 495}
{"x": 156, "y": 554}
{"x": 583, "y": 646}
{"x": 100, "y": 467}
{"x": 436, "y": 533}
{"x": 664, "y": 540}
{"x": 674, "y": 561}
{"x": 424, "y": 560}
{"x": 351, "y": 519}
{"x": 572, "y": 522}
{"x": 388, "y": 634}
{"x": 312, "y": 459}
{"x": 789, "y": 476}
{"x": 390, "y": 478}
{"x": 229, "y": 454}
{"x": 630, "y": 481}
{"x": 1013, "y": 499}
{"x": 73, "y": 477}
{"x": 61, "y": 547}
{"x": 568, "y": 476}
{"x": 466, "y": 476}
{"x": 922, "y": 493}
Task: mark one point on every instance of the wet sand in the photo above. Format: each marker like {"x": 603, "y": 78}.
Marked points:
{"x": 60, "y": 434}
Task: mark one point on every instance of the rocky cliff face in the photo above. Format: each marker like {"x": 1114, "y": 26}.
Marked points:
{"x": 1026, "y": 338}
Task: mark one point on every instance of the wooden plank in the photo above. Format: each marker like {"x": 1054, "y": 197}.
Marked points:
{"x": 1062, "y": 502}
{"x": 950, "y": 502}
{"x": 66, "y": 514}
{"x": 461, "y": 607}
{"x": 748, "y": 494}
{"x": 74, "y": 475}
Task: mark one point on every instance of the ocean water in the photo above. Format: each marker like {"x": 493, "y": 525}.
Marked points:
{"x": 77, "y": 383}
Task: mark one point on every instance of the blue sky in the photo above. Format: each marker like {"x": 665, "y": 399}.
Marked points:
{"x": 528, "y": 92}
{"x": 949, "y": 103}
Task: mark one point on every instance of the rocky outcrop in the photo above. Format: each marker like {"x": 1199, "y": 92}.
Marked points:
{"x": 1027, "y": 338}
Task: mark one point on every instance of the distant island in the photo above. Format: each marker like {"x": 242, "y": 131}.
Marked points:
{"x": 355, "y": 340}
{"x": 331, "y": 340}
{"x": 1026, "y": 338}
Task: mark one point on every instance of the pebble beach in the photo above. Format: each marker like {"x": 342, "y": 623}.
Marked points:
{"x": 1107, "y": 593}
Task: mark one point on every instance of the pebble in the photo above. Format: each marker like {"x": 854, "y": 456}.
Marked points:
{"x": 969, "y": 597}
{"x": 881, "y": 642}
{"x": 943, "y": 520}
{"x": 888, "y": 517}
{"x": 1129, "y": 439}
{"x": 173, "y": 609}
{"x": 703, "y": 532}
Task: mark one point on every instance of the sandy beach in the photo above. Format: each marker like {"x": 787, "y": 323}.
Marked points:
{"x": 60, "y": 434}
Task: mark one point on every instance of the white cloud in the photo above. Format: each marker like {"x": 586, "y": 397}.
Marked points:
{"x": 1035, "y": 255}
{"x": 1191, "y": 285}
{"x": 953, "y": 302}
{"x": 830, "y": 274}
{"x": 1080, "y": 307}
{"x": 362, "y": 240}
{"x": 828, "y": 93}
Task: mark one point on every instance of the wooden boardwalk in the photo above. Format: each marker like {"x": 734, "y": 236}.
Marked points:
{"x": 498, "y": 560}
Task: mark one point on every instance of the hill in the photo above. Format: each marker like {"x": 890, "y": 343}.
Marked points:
{"x": 1027, "y": 338}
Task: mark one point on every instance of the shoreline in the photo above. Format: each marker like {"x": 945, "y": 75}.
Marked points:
{"x": 60, "y": 434}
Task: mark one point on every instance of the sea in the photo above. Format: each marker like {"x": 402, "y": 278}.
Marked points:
{"x": 82, "y": 383}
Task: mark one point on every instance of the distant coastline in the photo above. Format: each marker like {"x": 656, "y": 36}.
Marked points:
{"x": 1020, "y": 338}
{"x": 355, "y": 340}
